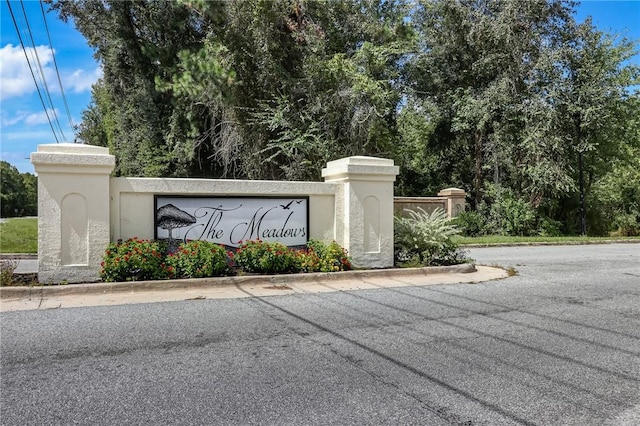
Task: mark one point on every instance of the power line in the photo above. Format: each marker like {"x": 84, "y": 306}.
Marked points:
{"x": 55, "y": 63}
{"x": 44, "y": 79}
{"x": 33, "y": 59}
{"x": 31, "y": 69}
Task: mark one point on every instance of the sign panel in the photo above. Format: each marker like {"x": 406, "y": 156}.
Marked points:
{"x": 232, "y": 220}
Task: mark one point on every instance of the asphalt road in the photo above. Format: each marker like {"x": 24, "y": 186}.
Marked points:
{"x": 557, "y": 344}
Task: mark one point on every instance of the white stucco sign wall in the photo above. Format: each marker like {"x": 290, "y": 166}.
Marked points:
{"x": 73, "y": 211}
{"x": 81, "y": 209}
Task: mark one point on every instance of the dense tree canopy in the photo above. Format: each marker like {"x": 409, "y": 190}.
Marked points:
{"x": 508, "y": 99}
{"x": 18, "y": 192}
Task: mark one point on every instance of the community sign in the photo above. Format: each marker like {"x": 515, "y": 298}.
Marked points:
{"x": 232, "y": 220}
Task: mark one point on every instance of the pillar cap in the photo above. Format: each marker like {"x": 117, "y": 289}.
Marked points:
{"x": 360, "y": 168}
{"x": 72, "y": 157}
{"x": 455, "y": 192}
{"x": 73, "y": 148}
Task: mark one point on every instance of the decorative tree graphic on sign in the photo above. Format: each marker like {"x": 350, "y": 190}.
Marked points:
{"x": 170, "y": 217}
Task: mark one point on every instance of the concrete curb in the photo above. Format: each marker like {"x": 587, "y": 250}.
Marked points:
{"x": 141, "y": 286}
{"x": 19, "y": 256}
{"x": 550, "y": 243}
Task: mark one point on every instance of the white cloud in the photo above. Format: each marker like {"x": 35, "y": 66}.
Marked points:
{"x": 81, "y": 80}
{"x": 30, "y": 119}
{"x": 16, "y": 78}
{"x": 10, "y": 121}
{"x": 41, "y": 117}
{"x": 40, "y": 136}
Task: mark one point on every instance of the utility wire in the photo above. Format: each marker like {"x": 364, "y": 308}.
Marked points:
{"x": 44, "y": 79}
{"x": 20, "y": 19}
{"x": 55, "y": 63}
{"x": 32, "y": 57}
{"x": 13, "y": 18}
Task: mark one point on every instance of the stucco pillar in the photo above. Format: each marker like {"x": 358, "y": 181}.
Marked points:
{"x": 73, "y": 211}
{"x": 364, "y": 209}
{"x": 455, "y": 200}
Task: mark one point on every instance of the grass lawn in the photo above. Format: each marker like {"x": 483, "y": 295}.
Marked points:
{"x": 501, "y": 239}
{"x": 19, "y": 235}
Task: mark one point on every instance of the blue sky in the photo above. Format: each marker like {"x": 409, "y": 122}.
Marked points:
{"x": 24, "y": 124}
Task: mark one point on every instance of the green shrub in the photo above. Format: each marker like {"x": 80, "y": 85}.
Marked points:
{"x": 7, "y": 267}
{"x": 518, "y": 216}
{"x": 626, "y": 224}
{"x": 509, "y": 214}
{"x": 198, "y": 259}
{"x": 424, "y": 239}
{"x": 470, "y": 223}
{"x": 320, "y": 257}
{"x": 548, "y": 227}
{"x": 616, "y": 198}
{"x": 135, "y": 260}
{"x": 266, "y": 257}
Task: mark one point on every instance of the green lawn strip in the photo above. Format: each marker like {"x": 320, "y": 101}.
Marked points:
{"x": 489, "y": 240}
{"x": 19, "y": 235}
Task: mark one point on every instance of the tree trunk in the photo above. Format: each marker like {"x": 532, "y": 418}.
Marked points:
{"x": 583, "y": 215}
{"x": 478, "y": 180}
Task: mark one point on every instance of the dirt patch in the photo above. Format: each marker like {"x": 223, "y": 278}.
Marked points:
{"x": 278, "y": 287}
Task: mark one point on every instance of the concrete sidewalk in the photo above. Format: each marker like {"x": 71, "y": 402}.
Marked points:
{"x": 100, "y": 294}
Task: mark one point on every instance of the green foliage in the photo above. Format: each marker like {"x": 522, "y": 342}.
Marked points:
{"x": 460, "y": 93}
{"x": 270, "y": 257}
{"x": 18, "y": 192}
{"x": 470, "y": 223}
{"x": 627, "y": 224}
{"x": 320, "y": 257}
{"x": 7, "y": 267}
{"x": 266, "y": 257}
{"x": 198, "y": 259}
{"x": 135, "y": 260}
{"x": 138, "y": 42}
{"x": 616, "y": 197}
{"x": 510, "y": 215}
{"x": 548, "y": 227}
{"x": 30, "y": 199}
{"x": 506, "y": 216}
{"x": 421, "y": 173}
{"x": 424, "y": 239}
{"x": 518, "y": 89}
{"x": 241, "y": 88}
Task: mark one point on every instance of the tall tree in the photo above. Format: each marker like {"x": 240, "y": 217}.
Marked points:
{"x": 137, "y": 42}
{"x": 582, "y": 96}
{"x": 475, "y": 61}
{"x": 18, "y": 192}
{"x": 265, "y": 89}
{"x": 314, "y": 82}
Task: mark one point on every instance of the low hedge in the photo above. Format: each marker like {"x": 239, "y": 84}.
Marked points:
{"x": 136, "y": 259}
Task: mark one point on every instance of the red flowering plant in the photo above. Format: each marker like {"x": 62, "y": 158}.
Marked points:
{"x": 320, "y": 257}
{"x": 135, "y": 260}
{"x": 309, "y": 260}
{"x": 266, "y": 257}
{"x": 199, "y": 259}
